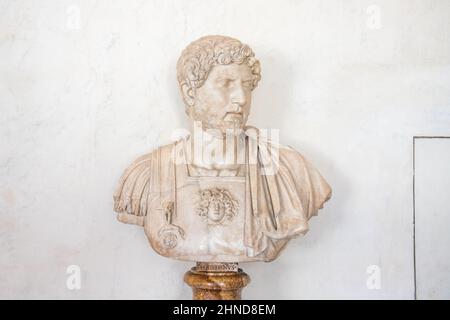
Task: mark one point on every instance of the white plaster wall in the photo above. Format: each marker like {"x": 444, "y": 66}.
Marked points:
{"x": 81, "y": 98}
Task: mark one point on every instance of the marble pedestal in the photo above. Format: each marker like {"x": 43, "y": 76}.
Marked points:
{"x": 216, "y": 281}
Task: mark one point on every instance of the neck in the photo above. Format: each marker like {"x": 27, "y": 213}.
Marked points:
{"x": 216, "y": 151}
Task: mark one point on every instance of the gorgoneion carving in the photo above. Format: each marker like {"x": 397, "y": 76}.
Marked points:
{"x": 216, "y": 206}
{"x": 225, "y": 192}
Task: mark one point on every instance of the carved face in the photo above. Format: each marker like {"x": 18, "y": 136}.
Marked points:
{"x": 216, "y": 206}
{"x": 216, "y": 211}
{"x": 223, "y": 101}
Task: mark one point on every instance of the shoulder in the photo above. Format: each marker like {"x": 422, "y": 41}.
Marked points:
{"x": 136, "y": 181}
{"x": 305, "y": 176}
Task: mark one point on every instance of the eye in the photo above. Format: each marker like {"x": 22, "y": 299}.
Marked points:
{"x": 223, "y": 82}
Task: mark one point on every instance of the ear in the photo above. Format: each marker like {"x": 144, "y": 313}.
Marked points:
{"x": 188, "y": 94}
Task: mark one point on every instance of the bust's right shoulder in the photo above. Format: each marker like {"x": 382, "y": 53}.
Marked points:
{"x": 139, "y": 179}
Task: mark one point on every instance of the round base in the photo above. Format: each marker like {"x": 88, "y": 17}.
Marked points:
{"x": 216, "y": 285}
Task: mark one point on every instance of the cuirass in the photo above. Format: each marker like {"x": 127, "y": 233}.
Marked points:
{"x": 205, "y": 221}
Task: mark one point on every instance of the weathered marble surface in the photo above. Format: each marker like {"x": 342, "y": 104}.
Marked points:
{"x": 243, "y": 202}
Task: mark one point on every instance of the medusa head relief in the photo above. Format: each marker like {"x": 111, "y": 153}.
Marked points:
{"x": 216, "y": 206}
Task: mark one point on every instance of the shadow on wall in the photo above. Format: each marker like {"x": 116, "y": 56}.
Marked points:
{"x": 273, "y": 96}
{"x": 272, "y": 107}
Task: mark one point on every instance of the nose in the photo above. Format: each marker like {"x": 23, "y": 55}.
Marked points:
{"x": 238, "y": 97}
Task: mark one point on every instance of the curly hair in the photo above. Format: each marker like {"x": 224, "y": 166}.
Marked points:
{"x": 198, "y": 58}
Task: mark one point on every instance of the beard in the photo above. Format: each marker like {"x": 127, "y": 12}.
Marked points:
{"x": 228, "y": 124}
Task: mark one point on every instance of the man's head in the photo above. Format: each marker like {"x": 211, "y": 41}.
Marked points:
{"x": 216, "y": 75}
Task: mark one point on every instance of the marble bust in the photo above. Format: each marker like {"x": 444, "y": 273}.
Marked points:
{"x": 225, "y": 192}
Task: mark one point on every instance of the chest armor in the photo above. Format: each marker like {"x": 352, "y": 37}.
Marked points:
{"x": 202, "y": 219}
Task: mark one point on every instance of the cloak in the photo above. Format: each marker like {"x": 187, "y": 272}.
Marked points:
{"x": 283, "y": 191}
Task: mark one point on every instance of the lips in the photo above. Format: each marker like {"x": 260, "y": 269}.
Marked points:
{"x": 233, "y": 116}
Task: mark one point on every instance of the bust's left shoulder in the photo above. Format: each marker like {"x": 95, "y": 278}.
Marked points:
{"x": 305, "y": 175}
{"x": 286, "y": 155}
{"x": 290, "y": 153}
